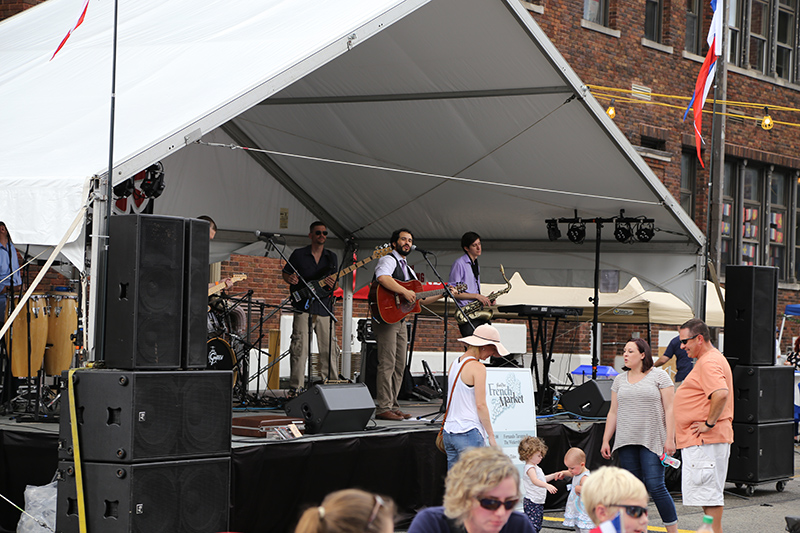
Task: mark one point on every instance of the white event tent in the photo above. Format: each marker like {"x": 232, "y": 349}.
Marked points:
{"x": 443, "y": 116}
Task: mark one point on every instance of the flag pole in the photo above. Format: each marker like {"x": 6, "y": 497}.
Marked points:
{"x": 716, "y": 174}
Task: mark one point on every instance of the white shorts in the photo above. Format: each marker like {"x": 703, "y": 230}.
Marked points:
{"x": 703, "y": 474}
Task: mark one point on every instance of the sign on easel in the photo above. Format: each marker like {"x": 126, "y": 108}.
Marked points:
{"x": 512, "y": 406}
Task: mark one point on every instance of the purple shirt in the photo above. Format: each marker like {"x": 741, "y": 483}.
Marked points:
{"x": 461, "y": 272}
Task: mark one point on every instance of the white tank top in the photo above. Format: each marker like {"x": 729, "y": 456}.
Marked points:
{"x": 462, "y": 414}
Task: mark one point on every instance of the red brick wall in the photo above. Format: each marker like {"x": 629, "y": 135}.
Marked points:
{"x": 9, "y": 8}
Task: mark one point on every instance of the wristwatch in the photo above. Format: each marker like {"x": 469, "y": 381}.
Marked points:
{"x": 710, "y": 425}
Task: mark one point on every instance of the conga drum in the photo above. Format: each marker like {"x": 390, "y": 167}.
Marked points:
{"x": 62, "y": 322}
{"x": 36, "y": 307}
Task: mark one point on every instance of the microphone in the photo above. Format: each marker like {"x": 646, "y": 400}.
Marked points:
{"x": 264, "y": 236}
{"x": 420, "y": 250}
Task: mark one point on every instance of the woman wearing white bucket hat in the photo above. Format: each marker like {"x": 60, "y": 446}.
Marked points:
{"x": 467, "y": 424}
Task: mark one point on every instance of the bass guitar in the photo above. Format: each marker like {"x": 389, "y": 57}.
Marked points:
{"x": 236, "y": 278}
{"x": 303, "y": 294}
{"x": 389, "y": 307}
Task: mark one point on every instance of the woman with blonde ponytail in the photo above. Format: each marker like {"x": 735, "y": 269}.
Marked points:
{"x": 349, "y": 511}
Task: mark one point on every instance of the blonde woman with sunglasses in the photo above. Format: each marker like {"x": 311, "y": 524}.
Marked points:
{"x": 481, "y": 492}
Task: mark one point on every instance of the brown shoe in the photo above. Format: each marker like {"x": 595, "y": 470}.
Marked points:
{"x": 405, "y": 416}
{"x": 389, "y": 415}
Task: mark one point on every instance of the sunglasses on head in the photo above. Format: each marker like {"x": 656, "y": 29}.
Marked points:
{"x": 492, "y": 504}
{"x": 318, "y": 232}
{"x": 684, "y": 341}
{"x": 634, "y": 511}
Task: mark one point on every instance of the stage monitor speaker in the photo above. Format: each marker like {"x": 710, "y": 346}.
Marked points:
{"x": 760, "y": 394}
{"x": 333, "y": 408}
{"x": 144, "y": 292}
{"x": 195, "y": 294}
{"x": 751, "y": 298}
{"x": 593, "y": 398}
{"x": 132, "y": 417}
{"x": 167, "y": 497}
{"x": 761, "y": 452}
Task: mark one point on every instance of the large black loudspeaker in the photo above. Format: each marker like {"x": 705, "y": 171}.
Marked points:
{"x": 144, "y": 313}
{"x": 168, "y": 497}
{"x": 132, "y": 417}
{"x": 761, "y": 392}
{"x": 195, "y": 294}
{"x": 593, "y": 398}
{"x": 751, "y": 294}
{"x": 761, "y": 452}
{"x": 333, "y": 408}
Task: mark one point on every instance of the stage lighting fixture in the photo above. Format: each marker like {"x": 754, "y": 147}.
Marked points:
{"x": 576, "y": 232}
{"x": 153, "y": 183}
{"x": 645, "y": 230}
{"x": 553, "y": 233}
{"x": 623, "y": 231}
{"x": 124, "y": 189}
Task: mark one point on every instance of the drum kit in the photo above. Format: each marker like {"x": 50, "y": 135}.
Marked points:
{"x": 226, "y": 325}
{"x": 42, "y": 337}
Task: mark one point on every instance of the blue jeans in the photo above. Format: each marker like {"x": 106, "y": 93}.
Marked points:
{"x": 455, "y": 443}
{"x": 646, "y": 465}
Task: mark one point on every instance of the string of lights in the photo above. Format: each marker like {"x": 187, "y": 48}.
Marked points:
{"x": 615, "y": 95}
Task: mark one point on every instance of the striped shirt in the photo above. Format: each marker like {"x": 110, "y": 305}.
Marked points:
{"x": 640, "y": 412}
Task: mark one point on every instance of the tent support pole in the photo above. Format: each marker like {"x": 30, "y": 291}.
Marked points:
{"x": 596, "y": 300}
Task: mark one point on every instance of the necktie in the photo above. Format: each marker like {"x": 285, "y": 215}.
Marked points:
{"x": 403, "y": 267}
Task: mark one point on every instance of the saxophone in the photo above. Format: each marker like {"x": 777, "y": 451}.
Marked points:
{"x": 475, "y": 310}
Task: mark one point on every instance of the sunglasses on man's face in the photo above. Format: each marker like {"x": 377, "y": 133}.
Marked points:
{"x": 318, "y": 232}
{"x": 686, "y": 341}
{"x": 634, "y": 511}
{"x": 492, "y": 504}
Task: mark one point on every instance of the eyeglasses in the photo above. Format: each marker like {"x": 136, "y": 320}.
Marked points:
{"x": 685, "y": 341}
{"x": 318, "y": 232}
{"x": 492, "y": 504}
{"x": 378, "y": 504}
{"x": 634, "y": 511}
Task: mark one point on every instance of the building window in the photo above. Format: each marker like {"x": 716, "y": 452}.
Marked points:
{"x": 596, "y": 11}
{"x": 785, "y": 38}
{"x": 755, "y": 221}
{"x": 763, "y": 36}
{"x": 694, "y": 26}
{"x": 728, "y": 201}
{"x": 652, "y": 20}
{"x": 688, "y": 173}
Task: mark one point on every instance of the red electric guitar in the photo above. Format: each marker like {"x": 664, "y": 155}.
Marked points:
{"x": 389, "y": 307}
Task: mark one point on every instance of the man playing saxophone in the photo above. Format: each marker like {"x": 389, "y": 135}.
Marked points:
{"x": 466, "y": 270}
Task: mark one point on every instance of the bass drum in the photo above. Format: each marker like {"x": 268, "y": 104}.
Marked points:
{"x": 36, "y": 306}
{"x": 221, "y": 357}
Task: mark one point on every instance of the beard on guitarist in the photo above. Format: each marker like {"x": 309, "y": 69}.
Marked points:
{"x": 465, "y": 269}
{"x": 392, "y": 338}
{"x": 313, "y": 262}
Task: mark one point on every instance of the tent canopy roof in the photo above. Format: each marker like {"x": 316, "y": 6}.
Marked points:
{"x": 451, "y": 115}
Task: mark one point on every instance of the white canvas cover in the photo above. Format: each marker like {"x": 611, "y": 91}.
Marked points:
{"x": 469, "y": 95}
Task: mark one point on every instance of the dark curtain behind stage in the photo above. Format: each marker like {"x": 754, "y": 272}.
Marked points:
{"x": 25, "y": 459}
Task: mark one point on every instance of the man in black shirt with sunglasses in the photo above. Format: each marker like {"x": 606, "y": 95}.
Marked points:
{"x": 314, "y": 263}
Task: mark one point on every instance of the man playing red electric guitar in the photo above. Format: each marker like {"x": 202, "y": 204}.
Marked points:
{"x": 393, "y": 338}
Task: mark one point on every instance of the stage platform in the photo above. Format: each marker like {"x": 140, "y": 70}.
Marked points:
{"x": 273, "y": 481}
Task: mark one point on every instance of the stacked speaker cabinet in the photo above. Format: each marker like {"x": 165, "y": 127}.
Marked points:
{"x": 763, "y": 410}
{"x": 154, "y": 440}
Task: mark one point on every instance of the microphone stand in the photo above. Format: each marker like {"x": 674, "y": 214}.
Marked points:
{"x": 447, "y": 294}
{"x": 314, "y": 296}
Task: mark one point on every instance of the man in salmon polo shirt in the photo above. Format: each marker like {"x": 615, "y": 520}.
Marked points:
{"x": 703, "y": 410}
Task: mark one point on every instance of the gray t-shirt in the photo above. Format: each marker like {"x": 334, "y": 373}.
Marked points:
{"x": 640, "y": 411}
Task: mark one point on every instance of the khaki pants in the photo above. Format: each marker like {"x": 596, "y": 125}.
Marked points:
{"x": 298, "y": 349}
{"x": 392, "y": 342}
